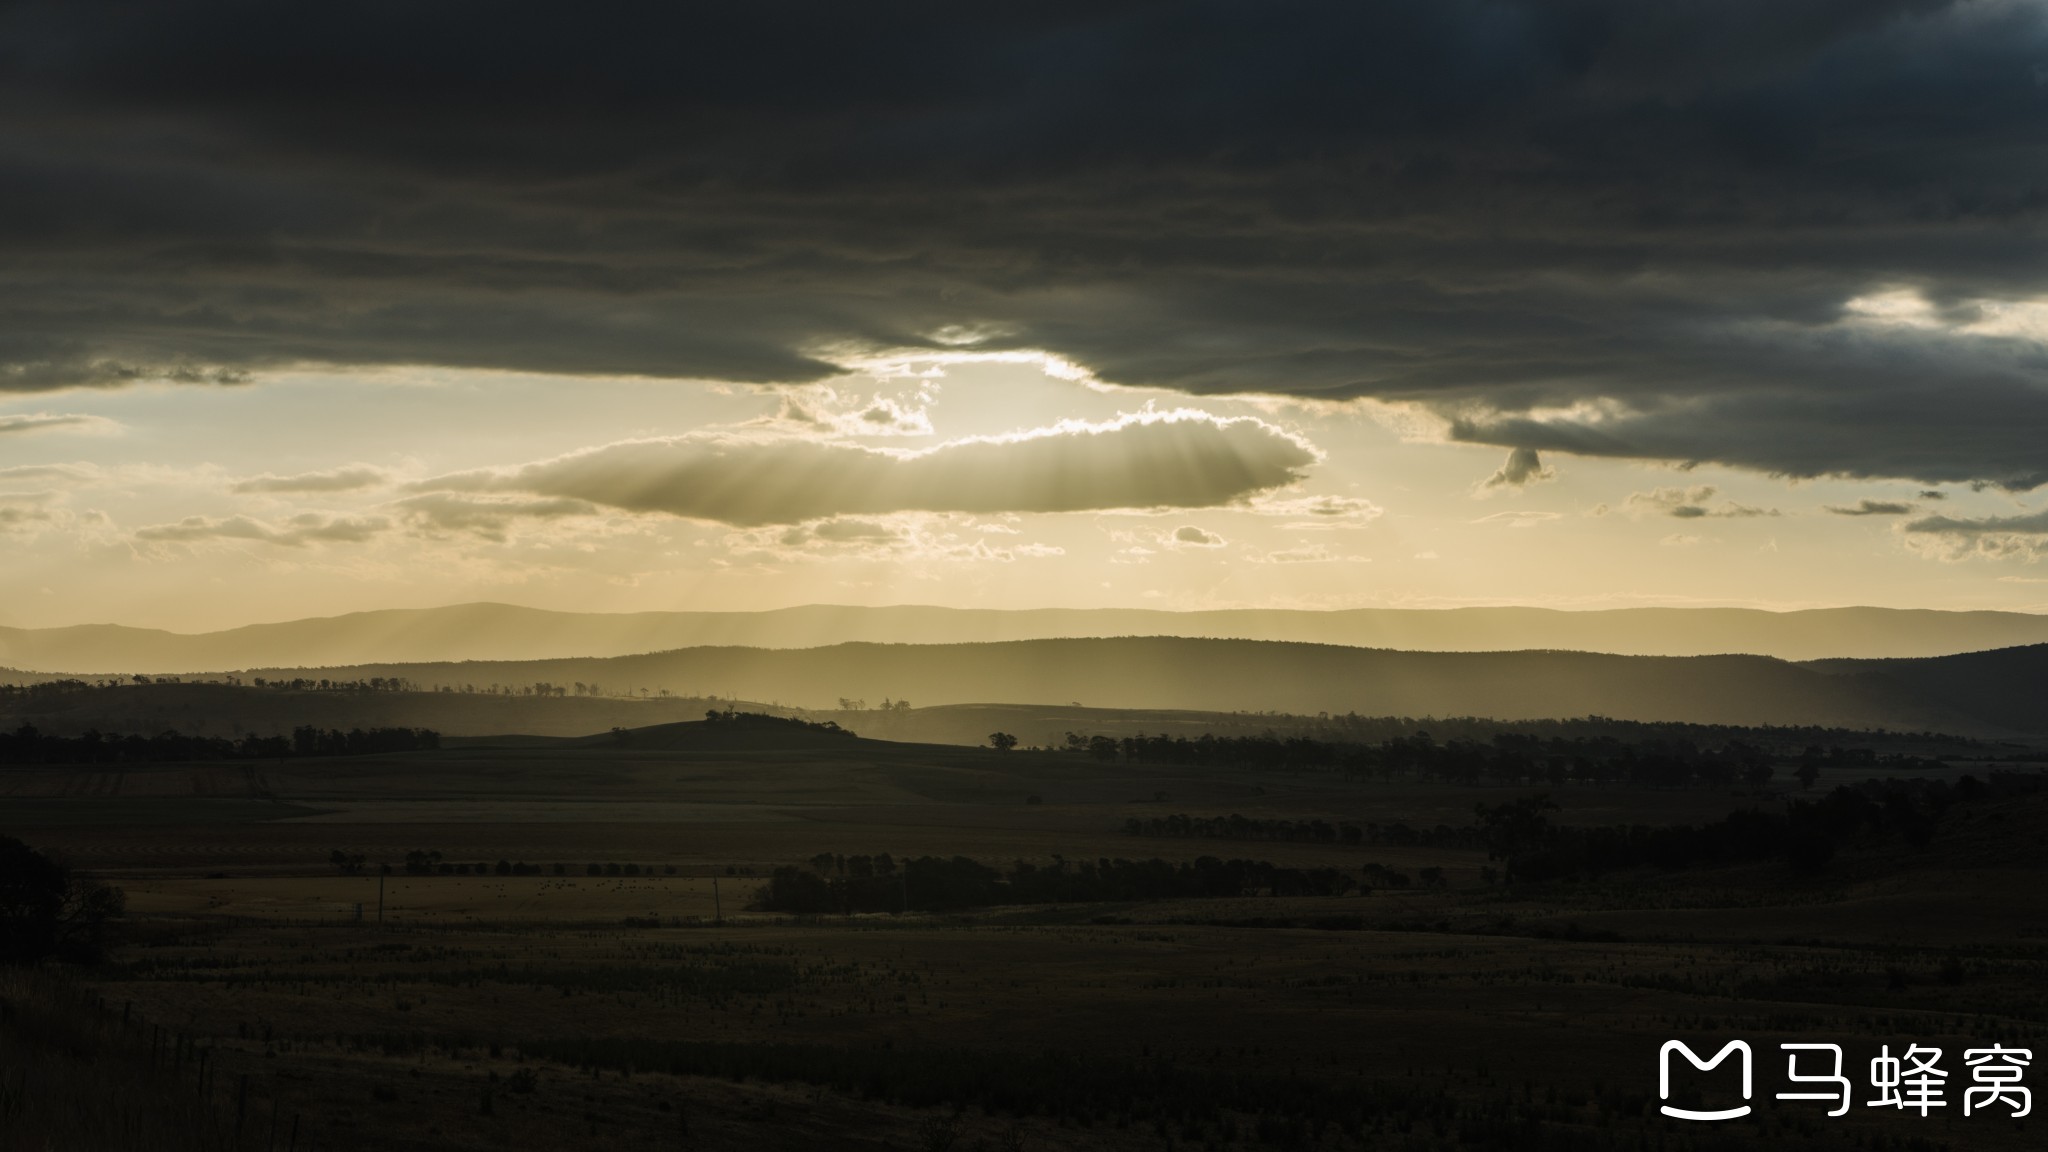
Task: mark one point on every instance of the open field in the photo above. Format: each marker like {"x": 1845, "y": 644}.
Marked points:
{"x": 623, "y": 1011}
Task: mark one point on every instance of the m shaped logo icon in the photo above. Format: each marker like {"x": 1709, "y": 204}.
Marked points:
{"x": 1691, "y": 1057}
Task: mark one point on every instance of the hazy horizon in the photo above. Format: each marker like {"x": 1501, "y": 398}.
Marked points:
{"x": 1783, "y": 610}
{"x": 487, "y": 631}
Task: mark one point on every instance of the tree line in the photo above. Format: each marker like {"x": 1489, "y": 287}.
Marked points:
{"x": 842, "y": 885}
{"x": 1806, "y": 834}
{"x": 1352, "y": 728}
{"x": 1181, "y": 826}
{"x": 1503, "y": 758}
{"x": 27, "y": 745}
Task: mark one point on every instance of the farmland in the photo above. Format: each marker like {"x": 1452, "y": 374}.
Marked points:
{"x": 608, "y": 985}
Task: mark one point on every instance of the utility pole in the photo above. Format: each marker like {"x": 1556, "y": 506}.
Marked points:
{"x": 383, "y": 870}
{"x": 717, "y": 908}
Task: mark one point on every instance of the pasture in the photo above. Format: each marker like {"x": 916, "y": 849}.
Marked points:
{"x": 569, "y": 1010}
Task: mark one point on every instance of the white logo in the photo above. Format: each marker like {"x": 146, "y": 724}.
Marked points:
{"x": 1833, "y": 1076}
{"x": 1664, "y": 1078}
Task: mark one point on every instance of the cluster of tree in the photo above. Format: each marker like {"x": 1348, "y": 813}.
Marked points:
{"x": 429, "y": 862}
{"x": 546, "y": 688}
{"x": 1235, "y": 827}
{"x": 46, "y": 689}
{"x": 847, "y": 704}
{"x": 834, "y": 884}
{"x": 765, "y": 720}
{"x": 48, "y": 911}
{"x": 371, "y": 684}
{"x": 613, "y": 868}
{"x": 27, "y": 745}
{"x": 1806, "y": 834}
{"x": 1504, "y": 758}
{"x": 1351, "y": 728}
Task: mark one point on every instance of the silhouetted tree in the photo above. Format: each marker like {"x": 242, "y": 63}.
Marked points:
{"x": 1001, "y": 741}
{"x": 49, "y": 912}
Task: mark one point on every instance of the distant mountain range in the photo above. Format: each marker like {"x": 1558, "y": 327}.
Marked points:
{"x": 507, "y": 632}
{"x": 1990, "y": 693}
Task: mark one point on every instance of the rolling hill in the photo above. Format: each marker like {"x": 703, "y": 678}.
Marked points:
{"x": 1979, "y": 693}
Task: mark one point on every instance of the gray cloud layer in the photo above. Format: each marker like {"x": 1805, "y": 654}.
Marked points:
{"x": 1993, "y": 537}
{"x": 1180, "y": 460}
{"x": 1500, "y": 210}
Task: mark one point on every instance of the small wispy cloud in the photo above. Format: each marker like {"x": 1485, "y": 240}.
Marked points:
{"x": 1693, "y": 503}
{"x": 350, "y": 479}
{"x": 2024, "y": 536}
{"x": 294, "y": 532}
{"x": 1871, "y": 508}
{"x": 57, "y": 422}
{"x": 1520, "y": 518}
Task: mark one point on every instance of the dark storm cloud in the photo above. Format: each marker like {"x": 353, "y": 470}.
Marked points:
{"x": 1587, "y": 226}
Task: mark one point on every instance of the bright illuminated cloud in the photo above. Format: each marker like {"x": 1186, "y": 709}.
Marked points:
{"x": 1180, "y": 459}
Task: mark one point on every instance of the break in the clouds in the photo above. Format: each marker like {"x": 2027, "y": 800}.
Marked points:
{"x": 348, "y": 479}
{"x": 1801, "y": 238}
{"x": 1180, "y": 459}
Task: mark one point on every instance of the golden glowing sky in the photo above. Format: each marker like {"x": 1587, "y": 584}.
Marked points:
{"x": 990, "y": 482}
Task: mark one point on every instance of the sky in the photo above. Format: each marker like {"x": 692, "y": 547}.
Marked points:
{"x": 1425, "y": 303}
